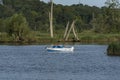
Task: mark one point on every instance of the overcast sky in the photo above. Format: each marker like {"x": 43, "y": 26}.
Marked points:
{"x": 98, "y": 3}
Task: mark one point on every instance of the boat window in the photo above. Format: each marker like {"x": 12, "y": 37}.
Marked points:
{"x": 59, "y": 46}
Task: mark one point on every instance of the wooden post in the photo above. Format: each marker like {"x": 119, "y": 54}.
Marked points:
{"x": 75, "y": 34}
{"x": 67, "y": 33}
{"x": 51, "y": 19}
{"x": 72, "y": 25}
{"x": 66, "y": 30}
{"x": 93, "y": 23}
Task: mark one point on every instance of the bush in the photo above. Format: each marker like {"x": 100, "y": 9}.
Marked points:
{"x": 17, "y": 27}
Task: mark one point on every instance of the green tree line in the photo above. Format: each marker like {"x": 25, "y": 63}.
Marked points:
{"x": 37, "y": 13}
{"x": 18, "y": 17}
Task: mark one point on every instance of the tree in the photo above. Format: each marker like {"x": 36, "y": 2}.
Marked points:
{"x": 17, "y": 27}
{"x": 113, "y": 15}
{"x": 2, "y": 25}
{"x": 112, "y": 3}
{"x": 109, "y": 20}
{"x": 36, "y": 13}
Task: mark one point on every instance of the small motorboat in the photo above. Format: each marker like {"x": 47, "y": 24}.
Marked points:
{"x": 60, "y": 48}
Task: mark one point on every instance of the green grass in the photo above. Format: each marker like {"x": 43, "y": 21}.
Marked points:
{"x": 99, "y": 37}
{"x": 86, "y": 36}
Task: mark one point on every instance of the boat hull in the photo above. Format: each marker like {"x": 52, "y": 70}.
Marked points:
{"x": 60, "y": 49}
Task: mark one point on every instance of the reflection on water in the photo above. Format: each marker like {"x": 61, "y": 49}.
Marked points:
{"x": 87, "y": 62}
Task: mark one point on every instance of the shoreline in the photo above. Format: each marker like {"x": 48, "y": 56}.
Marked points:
{"x": 55, "y": 42}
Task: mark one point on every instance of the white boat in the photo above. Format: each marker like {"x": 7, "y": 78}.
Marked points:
{"x": 60, "y": 48}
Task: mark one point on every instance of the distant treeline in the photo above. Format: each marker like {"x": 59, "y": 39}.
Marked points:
{"x": 34, "y": 14}
{"x": 37, "y": 13}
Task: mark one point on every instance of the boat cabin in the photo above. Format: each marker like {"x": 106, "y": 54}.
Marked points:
{"x": 58, "y": 46}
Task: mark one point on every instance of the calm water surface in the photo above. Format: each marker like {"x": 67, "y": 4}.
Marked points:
{"x": 87, "y": 62}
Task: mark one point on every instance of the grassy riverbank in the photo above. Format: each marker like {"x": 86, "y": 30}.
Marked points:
{"x": 86, "y": 36}
{"x": 98, "y": 37}
{"x": 42, "y": 37}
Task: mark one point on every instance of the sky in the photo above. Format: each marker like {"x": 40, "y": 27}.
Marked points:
{"x": 98, "y": 3}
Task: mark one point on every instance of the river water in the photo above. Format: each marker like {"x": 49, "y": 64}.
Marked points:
{"x": 33, "y": 62}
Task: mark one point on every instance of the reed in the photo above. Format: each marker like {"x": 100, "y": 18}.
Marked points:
{"x": 113, "y": 49}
